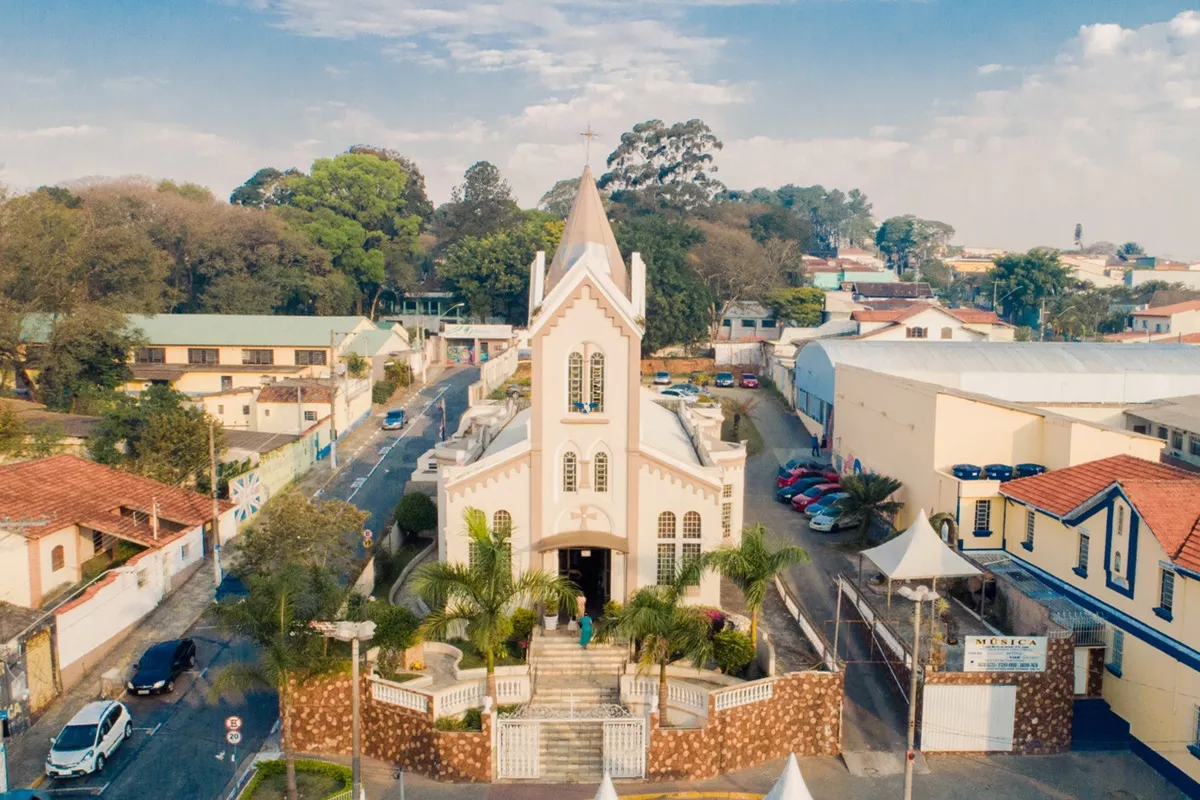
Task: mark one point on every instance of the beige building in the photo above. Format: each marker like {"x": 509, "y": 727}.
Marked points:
{"x": 935, "y": 323}
{"x": 596, "y": 479}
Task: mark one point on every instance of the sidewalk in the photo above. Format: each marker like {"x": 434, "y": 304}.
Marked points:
{"x": 170, "y": 620}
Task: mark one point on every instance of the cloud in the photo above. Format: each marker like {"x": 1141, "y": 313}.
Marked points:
{"x": 990, "y": 69}
{"x": 55, "y": 132}
{"x": 131, "y": 83}
{"x": 1104, "y": 134}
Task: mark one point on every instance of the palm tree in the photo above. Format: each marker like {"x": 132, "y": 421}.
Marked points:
{"x": 484, "y": 592}
{"x": 752, "y": 564}
{"x": 664, "y": 628}
{"x": 740, "y": 409}
{"x": 276, "y": 616}
{"x": 867, "y": 496}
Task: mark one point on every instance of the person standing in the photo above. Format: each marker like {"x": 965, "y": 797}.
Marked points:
{"x": 585, "y": 630}
{"x": 816, "y": 445}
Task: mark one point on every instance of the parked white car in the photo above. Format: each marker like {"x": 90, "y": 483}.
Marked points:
{"x": 687, "y": 397}
{"x": 91, "y": 736}
{"x": 832, "y": 520}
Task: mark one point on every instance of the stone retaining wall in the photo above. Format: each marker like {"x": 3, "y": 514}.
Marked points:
{"x": 802, "y": 716}
{"x": 321, "y": 724}
{"x": 1045, "y": 700}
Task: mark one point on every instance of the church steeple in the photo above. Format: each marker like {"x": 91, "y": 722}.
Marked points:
{"x": 588, "y": 234}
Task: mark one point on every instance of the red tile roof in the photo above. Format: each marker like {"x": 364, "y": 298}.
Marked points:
{"x": 1166, "y": 311}
{"x": 969, "y": 316}
{"x": 67, "y": 490}
{"x": 975, "y": 316}
{"x": 285, "y": 393}
{"x": 1167, "y": 499}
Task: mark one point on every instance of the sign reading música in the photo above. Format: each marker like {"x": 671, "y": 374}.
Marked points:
{"x": 1005, "y": 654}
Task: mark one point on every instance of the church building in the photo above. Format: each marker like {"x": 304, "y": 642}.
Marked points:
{"x": 600, "y": 478}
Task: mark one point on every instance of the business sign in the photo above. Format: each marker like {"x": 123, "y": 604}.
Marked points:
{"x": 1005, "y": 654}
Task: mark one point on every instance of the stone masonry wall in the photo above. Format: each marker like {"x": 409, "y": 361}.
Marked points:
{"x": 803, "y": 716}
{"x": 321, "y": 724}
{"x": 1045, "y": 700}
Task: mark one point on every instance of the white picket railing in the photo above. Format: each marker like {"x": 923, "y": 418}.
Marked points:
{"x": 396, "y": 695}
{"x": 679, "y": 694}
{"x": 459, "y": 698}
{"x": 742, "y": 695}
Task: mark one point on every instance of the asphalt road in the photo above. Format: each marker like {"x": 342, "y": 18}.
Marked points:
{"x": 178, "y": 748}
{"x": 374, "y": 470}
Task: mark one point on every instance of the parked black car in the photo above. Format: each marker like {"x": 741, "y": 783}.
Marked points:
{"x": 161, "y": 665}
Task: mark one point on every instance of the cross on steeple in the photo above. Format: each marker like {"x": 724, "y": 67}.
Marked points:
{"x": 588, "y": 135}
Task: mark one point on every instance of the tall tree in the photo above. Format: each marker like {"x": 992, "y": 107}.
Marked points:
{"x": 85, "y": 360}
{"x": 416, "y": 198}
{"x": 1079, "y": 234}
{"x": 158, "y": 434}
{"x": 1131, "y": 250}
{"x": 1020, "y": 281}
{"x": 277, "y": 616}
{"x": 483, "y": 203}
{"x": 561, "y": 197}
{"x": 293, "y": 529}
{"x": 266, "y": 188}
{"x": 803, "y": 305}
{"x": 676, "y": 298}
{"x": 752, "y": 564}
{"x": 734, "y": 267}
{"x": 484, "y": 592}
{"x": 672, "y": 163}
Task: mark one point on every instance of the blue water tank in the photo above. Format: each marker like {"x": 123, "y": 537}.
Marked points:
{"x": 966, "y": 472}
{"x": 999, "y": 472}
{"x": 1025, "y": 470}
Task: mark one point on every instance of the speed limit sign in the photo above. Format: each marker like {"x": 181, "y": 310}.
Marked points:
{"x": 233, "y": 737}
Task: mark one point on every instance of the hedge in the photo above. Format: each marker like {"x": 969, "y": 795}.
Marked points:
{"x": 267, "y": 769}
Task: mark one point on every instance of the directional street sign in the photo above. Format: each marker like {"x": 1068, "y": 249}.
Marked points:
{"x": 233, "y": 737}
{"x": 233, "y": 723}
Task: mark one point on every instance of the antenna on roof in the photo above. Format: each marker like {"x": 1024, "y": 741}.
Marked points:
{"x": 588, "y": 135}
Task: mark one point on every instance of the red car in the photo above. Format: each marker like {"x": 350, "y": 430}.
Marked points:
{"x": 787, "y": 480}
{"x": 749, "y": 381}
{"x": 804, "y": 500}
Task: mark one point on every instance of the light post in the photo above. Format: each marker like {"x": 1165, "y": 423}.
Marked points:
{"x": 918, "y": 595}
{"x": 354, "y": 632}
{"x": 421, "y": 337}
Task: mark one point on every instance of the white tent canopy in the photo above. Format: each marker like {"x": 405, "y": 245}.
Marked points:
{"x": 606, "y": 791}
{"x": 918, "y": 554}
{"x": 790, "y": 785}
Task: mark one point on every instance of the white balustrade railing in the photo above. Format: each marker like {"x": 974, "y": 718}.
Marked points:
{"x": 459, "y": 698}
{"x": 742, "y": 695}
{"x": 512, "y": 689}
{"x": 396, "y": 695}
{"x": 679, "y": 694}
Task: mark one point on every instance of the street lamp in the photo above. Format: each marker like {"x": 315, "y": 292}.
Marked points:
{"x": 354, "y": 632}
{"x": 918, "y": 595}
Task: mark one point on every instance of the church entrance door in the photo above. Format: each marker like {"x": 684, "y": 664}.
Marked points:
{"x": 590, "y": 570}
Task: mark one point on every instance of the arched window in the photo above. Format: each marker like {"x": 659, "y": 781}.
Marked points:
{"x": 691, "y": 525}
{"x": 666, "y": 525}
{"x": 601, "y": 482}
{"x": 597, "y": 381}
{"x": 502, "y": 521}
{"x": 575, "y": 382}
{"x": 57, "y": 558}
{"x": 947, "y": 333}
{"x": 570, "y": 472}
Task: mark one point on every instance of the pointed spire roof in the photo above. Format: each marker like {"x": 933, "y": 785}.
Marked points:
{"x": 588, "y": 233}
{"x": 790, "y": 785}
{"x": 606, "y": 791}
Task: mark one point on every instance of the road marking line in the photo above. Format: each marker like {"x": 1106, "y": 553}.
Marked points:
{"x": 357, "y": 485}
{"x": 102, "y": 788}
{"x": 38, "y": 781}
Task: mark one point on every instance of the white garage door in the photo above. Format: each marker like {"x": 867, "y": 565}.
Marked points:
{"x": 969, "y": 719}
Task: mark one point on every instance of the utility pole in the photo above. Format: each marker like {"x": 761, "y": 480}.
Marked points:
{"x": 918, "y": 596}
{"x": 333, "y": 435}
{"x": 216, "y": 504}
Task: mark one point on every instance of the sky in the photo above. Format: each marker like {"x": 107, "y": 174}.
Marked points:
{"x": 1011, "y": 121}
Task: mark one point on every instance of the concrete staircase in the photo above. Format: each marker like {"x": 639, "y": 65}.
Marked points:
{"x": 566, "y": 675}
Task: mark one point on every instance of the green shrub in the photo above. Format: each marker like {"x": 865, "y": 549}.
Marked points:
{"x": 612, "y": 609}
{"x": 416, "y": 512}
{"x": 472, "y": 720}
{"x": 734, "y": 651}
{"x": 400, "y": 374}
{"x": 382, "y": 391}
{"x": 395, "y": 626}
{"x": 269, "y": 769}
{"x": 523, "y": 621}
{"x": 507, "y": 708}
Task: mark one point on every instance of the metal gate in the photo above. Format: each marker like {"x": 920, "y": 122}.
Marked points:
{"x": 970, "y": 719}
{"x": 518, "y": 749}
{"x": 625, "y": 748}
{"x": 39, "y": 665}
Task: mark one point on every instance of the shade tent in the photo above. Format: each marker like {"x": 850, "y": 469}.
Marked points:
{"x": 790, "y": 785}
{"x": 919, "y": 554}
{"x": 606, "y": 790}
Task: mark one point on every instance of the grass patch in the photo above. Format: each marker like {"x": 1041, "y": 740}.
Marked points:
{"x": 315, "y": 780}
{"x": 472, "y": 658}
{"x": 746, "y": 430}
{"x": 396, "y": 677}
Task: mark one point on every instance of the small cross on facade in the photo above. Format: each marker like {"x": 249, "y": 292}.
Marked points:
{"x": 583, "y": 515}
{"x": 588, "y": 135}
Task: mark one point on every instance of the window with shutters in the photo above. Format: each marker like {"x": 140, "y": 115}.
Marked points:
{"x": 310, "y": 358}
{"x": 258, "y": 357}
{"x": 1081, "y": 561}
{"x": 150, "y": 355}
{"x": 666, "y": 564}
{"x": 983, "y": 516}
{"x": 575, "y": 382}
{"x": 947, "y": 333}
{"x": 1116, "y": 651}
{"x": 58, "y": 558}
{"x": 666, "y": 525}
{"x": 597, "y": 381}
{"x": 502, "y": 521}
{"x": 310, "y": 416}
{"x": 1177, "y": 440}
{"x": 204, "y": 355}
{"x": 570, "y": 472}
{"x": 1195, "y": 744}
{"x": 691, "y": 525}
{"x": 600, "y": 484}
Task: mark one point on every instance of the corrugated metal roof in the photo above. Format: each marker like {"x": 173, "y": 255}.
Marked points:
{"x": 217, "y": 330}
{"x": 372, "y": 341}
{"x": 1031, "y": 357}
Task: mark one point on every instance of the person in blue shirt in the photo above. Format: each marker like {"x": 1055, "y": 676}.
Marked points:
{"x": 816, "y": 445}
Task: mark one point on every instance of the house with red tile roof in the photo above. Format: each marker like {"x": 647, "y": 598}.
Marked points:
{"x": 98, "y": 548}
{"x": 932, "y": 322}
{"x": 1120, "y": 536}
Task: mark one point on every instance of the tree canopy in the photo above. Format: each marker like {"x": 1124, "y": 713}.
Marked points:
{"x": 158, "y": 434}
{"x": 673, "y": 164}
{"x": 1021, "y": 281}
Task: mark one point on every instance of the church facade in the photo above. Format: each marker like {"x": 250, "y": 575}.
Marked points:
{"x": 599, "y": 479}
